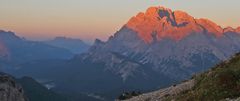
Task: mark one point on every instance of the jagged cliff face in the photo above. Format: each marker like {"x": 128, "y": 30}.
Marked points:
{"x": 163, "y": 22}
{"x": 9, "y": 90}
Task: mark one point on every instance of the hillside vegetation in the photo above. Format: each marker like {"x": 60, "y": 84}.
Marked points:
{"x": 221, "y": 82}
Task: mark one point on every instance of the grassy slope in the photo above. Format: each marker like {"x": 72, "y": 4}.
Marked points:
{"x": 222, "y": 81}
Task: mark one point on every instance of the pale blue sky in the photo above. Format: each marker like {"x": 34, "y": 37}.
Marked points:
{"x": 88, "y": 19}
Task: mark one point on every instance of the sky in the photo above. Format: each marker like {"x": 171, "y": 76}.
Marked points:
{"x": 90, "y": 19}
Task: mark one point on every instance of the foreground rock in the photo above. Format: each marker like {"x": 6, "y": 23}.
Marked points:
{"x": 9, "y": 90}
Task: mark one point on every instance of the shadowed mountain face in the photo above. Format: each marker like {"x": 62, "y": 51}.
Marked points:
{"x": 154, "y": 49}
{"x": 4, "y": 53}
{"x": 76, "y": 46}
{"x": 16, "y": 50}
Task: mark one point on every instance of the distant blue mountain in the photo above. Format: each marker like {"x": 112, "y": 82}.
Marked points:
{"x": 76, "y": 46}
{"x": 14, "y": 49}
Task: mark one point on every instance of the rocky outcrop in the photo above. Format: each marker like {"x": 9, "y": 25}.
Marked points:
{"x": 9, "y": 90}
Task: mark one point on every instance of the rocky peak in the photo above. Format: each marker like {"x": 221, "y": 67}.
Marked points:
{"x": 152, "y": 11}
{"x": 164, "y": 22}
{"x": 228, "y": 29}
{"x": 172, "y": 24}
{"x": 158, "y": 12}
{"x": 8, "y": 35}
{"x": 2, "y": 32}
{"x": 97, "y": 46}
{"x": 98, "y": 42}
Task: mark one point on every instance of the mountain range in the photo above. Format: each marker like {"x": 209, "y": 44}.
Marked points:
{"x": 15, "y": 50}
{"x": 154, "y": 49}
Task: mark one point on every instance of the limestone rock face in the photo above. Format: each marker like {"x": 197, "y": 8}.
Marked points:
{"x": 171, "y": 24}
